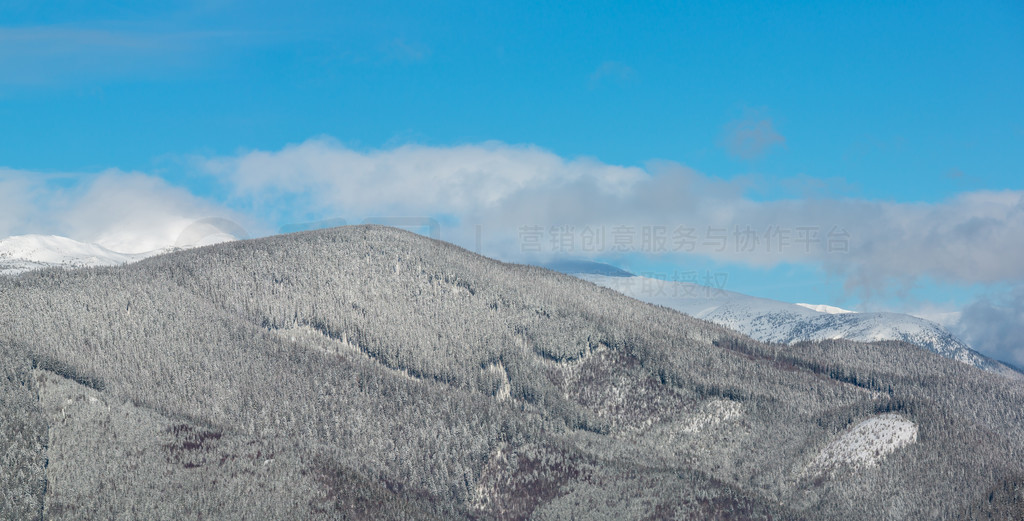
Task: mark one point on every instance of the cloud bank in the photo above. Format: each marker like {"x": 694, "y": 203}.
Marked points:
{"x": 996, "y": 325}
{"x": 527, "y": 201}
{"x": 128, "y": 212}
{"x": 660, "y": 208}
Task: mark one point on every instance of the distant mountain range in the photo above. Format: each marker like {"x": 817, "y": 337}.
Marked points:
{"x": 774, "y": 321}
{"x": 29, "y": 252}
{"x": 22, "y": 253}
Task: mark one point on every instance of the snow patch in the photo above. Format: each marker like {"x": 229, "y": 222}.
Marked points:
{"x": 504, "y": 391}
{"x": 865, "y": 445}
{"x": 712, "y": 413}
{"x": 316, "y": 339}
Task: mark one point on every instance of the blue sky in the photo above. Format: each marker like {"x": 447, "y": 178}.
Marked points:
{"x": 901, "y": 123}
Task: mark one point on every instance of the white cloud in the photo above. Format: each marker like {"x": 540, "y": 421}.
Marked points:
{"x": 994, "y": 325}
{"x": 752, "y": 138}
{"x": 409, "y": 180}
{"x": 976, "y": 237}
{"x": 16, "y": 195}
{"x": 124, "y": 212}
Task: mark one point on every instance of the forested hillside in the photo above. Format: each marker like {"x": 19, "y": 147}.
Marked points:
{"x": 371, "y": 373}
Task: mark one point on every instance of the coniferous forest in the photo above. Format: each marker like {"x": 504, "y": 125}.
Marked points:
{"x": 370, "y": 373}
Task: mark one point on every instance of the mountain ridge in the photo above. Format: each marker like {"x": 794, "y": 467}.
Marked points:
{"x": 22, "y": 253}
{"x": 774, "y": 321}
{"x": 370, "y": 372}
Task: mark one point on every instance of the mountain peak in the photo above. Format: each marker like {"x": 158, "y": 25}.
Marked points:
{"x": 825, "y": 308}
{"x": 22, "y": 253}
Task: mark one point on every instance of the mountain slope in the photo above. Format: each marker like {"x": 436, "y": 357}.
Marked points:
{"x": 774, "y": 321}
{"x": 372, "y": 373}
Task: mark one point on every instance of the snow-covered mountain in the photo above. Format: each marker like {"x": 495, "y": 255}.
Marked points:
{"x": 825, "y": 308}
{"x": 773, "y": 321}
{"x": 418, "y": 380}
{"x": 763, "y": 319}
{"x": 23, "y": 253}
